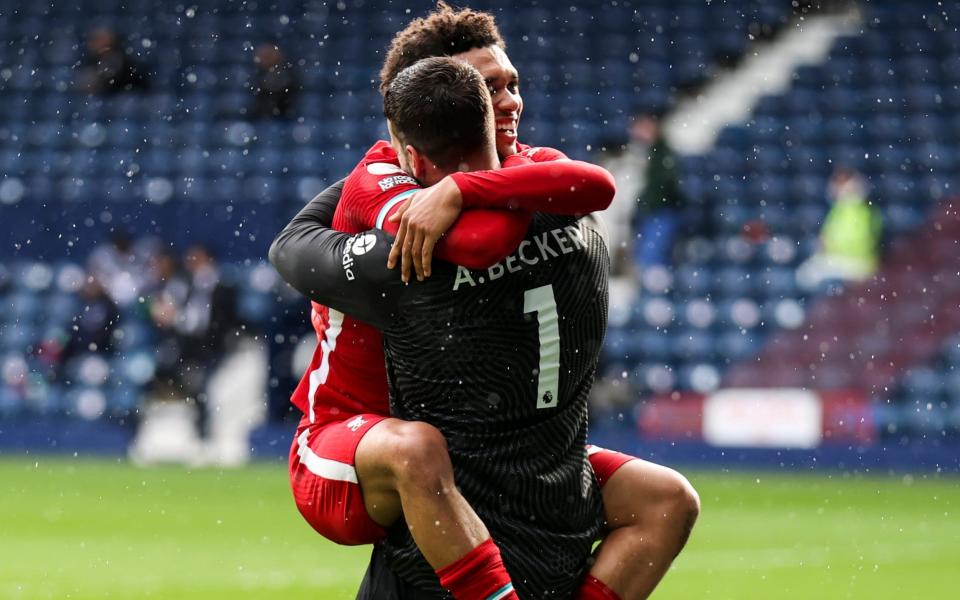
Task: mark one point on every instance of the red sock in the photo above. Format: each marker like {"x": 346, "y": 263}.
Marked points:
{"x": 594, "y": 589}
{"x": 478, "y": 576}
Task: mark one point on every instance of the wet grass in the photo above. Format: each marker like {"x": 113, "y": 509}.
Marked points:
{"x": 86, "y": 529}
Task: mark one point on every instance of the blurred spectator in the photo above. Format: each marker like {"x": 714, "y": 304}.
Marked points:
{"x": 755, "y": 232}
{"x": 207, "y": 361}
{"x": 165, "y": 303}
{"x": 622, "y": 160}
{"x": 93, "y": 327}
{"x": 88, "y": 331}
{"x": 849, "y": 240}
{"x": 660, "y": 199}
{"x": 276, "y": 83}
{"x": 120, "y": 267}
{"x": 107, "y": 67}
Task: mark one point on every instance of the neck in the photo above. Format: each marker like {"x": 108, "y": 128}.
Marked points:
{"x": 483, "y": 160}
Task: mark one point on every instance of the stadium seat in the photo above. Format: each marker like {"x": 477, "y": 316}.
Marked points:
{"x": 885, "y": 101}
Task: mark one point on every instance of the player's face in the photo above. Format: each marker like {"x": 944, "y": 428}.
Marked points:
{"x": 504, "y": 83}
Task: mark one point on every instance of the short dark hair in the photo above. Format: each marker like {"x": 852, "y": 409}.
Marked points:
{"x": 443, "y": 32}
{"x": 441, "y": 107}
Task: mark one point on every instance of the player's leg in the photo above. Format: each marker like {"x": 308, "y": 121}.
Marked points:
{"x": 324, "y": 482}
{"x": 348, "y": 473}
{"x": 404, "y": 468}
{"x": 650, "y": 511}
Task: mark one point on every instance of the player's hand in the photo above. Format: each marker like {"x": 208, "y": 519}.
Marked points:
{"x": 423, "y": 219}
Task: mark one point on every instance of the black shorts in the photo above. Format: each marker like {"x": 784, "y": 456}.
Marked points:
{"x": 380, "y": 583}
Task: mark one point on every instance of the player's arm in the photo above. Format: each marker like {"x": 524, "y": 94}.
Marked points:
{"x": 479, "y": 239}
{"x": 302, "y": 228}
{"x": 346, "y": 272}
{"x": 557, "y": 185}
{"x": 476, "y": 238}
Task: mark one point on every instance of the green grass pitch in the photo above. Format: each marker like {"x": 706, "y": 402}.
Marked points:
{"x": 85, "y": 529}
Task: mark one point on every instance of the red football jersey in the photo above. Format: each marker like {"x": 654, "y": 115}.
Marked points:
{"x": 347, "y": 374}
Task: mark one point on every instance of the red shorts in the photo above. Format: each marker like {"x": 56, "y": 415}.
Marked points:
{"x": 325, "y": 485}
{"x": 324, "y": 479}
{"x": 605, "y": 462}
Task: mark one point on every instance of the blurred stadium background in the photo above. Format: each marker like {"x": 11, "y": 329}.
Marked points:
{"x": 722, "y": 353}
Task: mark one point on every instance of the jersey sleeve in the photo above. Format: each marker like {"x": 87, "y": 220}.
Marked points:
{"x": 542, "y": 154}
{"x": 346, "y": 272}
{"x": 377, "y": 188}
{"x": 566, "y": 187}
{"x": 305, "y": 226}
{"x": 481, "y": 238}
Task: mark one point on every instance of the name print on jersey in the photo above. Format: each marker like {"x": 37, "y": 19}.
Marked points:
{"x": 545, "y": 246}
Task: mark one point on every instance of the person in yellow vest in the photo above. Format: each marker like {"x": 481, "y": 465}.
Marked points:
{"x": 849, "y": 240}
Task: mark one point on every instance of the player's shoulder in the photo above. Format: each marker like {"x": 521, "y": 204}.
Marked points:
{"x": 583, "y": 228}
{"x": 378, "y": 171}
{"x": 381, "y": 153}
{"x": 380, "y": 160}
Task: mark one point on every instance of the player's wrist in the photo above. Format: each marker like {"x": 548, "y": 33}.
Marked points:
{"x": 452, "y": 194}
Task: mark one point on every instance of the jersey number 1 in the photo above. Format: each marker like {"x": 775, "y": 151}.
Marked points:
{"x": 542, "y": 301}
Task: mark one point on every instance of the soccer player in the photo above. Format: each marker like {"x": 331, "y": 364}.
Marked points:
{"x": 499, "y": 360}
{"x": 396, "y": 464}
{"x": 648, "y": 508}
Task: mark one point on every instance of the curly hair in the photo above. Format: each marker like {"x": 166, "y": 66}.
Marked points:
{"x": 443, "y": 32}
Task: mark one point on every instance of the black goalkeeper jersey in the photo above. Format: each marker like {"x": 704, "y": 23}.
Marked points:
{"x": 501, "y": 361}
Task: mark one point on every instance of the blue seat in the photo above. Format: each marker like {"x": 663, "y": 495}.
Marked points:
{"x": 306, "y": 160}
{"x": 807, "y": 128}
{"x": 769, "y": 186}
{"x": 700, "y": 377}
{"x": 122, "y": 399}
{"x": 923, "y": 385}
{"x": 192, "y": 188}
{"x": 15, "y": 336}
{"x": 61, "y": 307}
{"x": 227, "y": 162}
{"x": 780, "y": 282}
{"x": 734, "y": 345}
{"x": 922, "y": 98}
{"x": 224, "y": 189}
{"x": 732, "y": 281}
{"x": 694, "y": 345}
{"x": 657, "y": 377}
{"x": 11, "y": 161}
{"x": 951, "y": 352}
{"x": 730, "y": 217}
{"x": 769, "y": 158}
{"x": 843, "y": 130}
{"x": 922, "y": 418}
{"x": 902, "y": 217}
{"x": 11, "y": 402}
{"x": 654, "y": 346}
{"x": 86, "y": 402}
{"x": 777, "y": 215}
{"x": 693, "y": 280}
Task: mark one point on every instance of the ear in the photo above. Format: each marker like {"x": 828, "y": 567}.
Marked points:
{"x": 419, "y": 164}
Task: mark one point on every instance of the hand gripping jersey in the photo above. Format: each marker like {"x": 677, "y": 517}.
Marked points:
{"x": 501, "y": 360}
